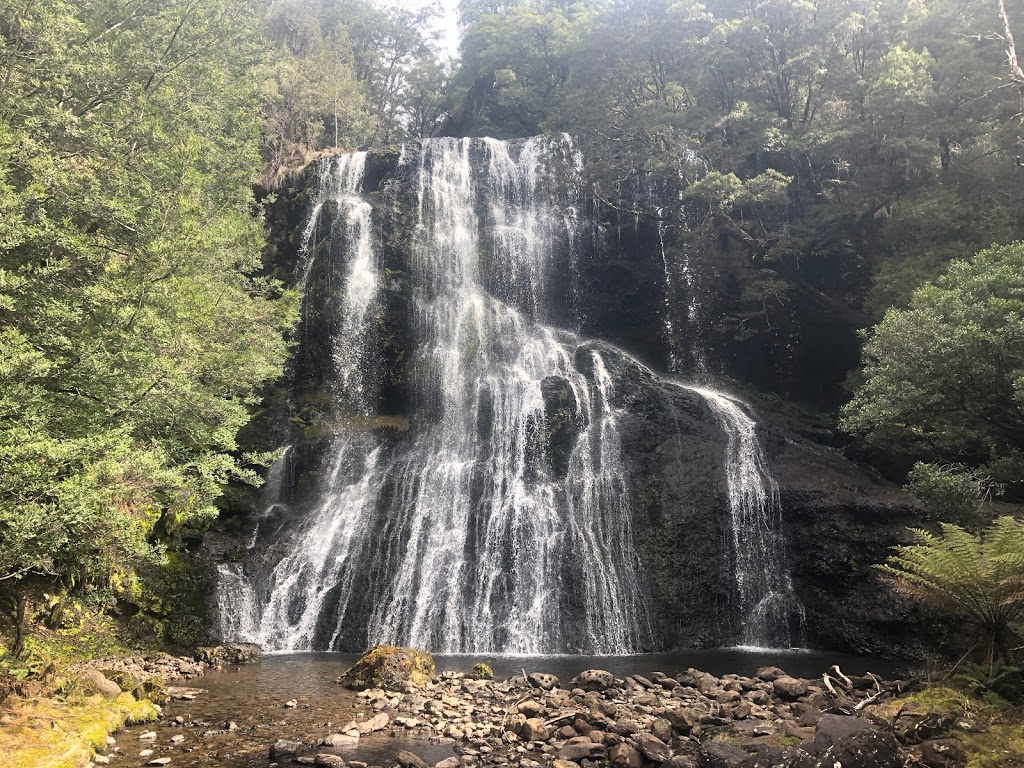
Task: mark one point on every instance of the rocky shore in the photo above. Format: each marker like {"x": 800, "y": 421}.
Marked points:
{"x": 688, "y": 721}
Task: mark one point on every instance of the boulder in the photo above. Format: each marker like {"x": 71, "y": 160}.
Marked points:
{"x": 593, "y": 680}
{"x": 97, "y": 683}
{"x": 624, "y": 756}
{"x": 531, "y": 708}
{"x": 542, "y": 680}
{"x": 534, "y": 730}
{"x": 229, "y": 653}
{"x": 832, "y": 729}
{"x": 787, "y": 687}
{"x": 389, "y": 667}
{"x": 867, "y": 749}
{"x": 718, "y": 755}
{"x": 943, "y": 753}
{"x": 283, "y": 748}
{"x": 408, "y": 759}
{"x": 376, "y": 723}
{"x": 780, "y": 757}
{"x": 769, "y": 674}
{"x": 340, "y": 740}
{"x": 327, "y": 759}
{"x": 653, "y": 748}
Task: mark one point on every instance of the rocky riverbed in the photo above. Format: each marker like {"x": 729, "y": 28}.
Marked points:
{"x": 597, "y": 719}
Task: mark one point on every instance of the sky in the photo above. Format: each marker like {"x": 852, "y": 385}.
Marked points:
{"x": 447, "y": 25}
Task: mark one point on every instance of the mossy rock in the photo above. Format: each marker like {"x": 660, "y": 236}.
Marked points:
{"x": 481, "y": 672}
{"x": 390, "y": 667}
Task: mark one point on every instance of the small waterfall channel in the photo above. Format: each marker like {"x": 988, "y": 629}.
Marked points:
{"x": 501, "y": 521}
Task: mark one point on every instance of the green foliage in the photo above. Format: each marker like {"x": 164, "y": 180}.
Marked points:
{"x": 945, "y": 378}
{"x": 951, "y": 493}
{"x": 1000, "y": 678}
{"x": 135, "y": 330}
{"x": 977, "y": 577}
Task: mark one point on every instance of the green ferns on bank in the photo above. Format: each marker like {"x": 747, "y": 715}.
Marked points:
{"x": 978, "y": 577}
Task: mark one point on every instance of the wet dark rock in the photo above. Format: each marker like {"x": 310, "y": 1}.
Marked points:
{"x": 789, "y": 687}
{"x": 780, "y": 757}
{"x": 867, "y": 749}
{"x": 832, "y": 729}
{"x": 653, "y": 748}
{"x": 229, "y": 653}
{"x": 943, "y": 753}
{"x": 719, "y": 755}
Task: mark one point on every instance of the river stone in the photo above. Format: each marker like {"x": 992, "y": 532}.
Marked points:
{"x": 409, "y": 760}
{"x": 542, "y": 680}
{"x": 769, "y": 674}
{"x": 448, "y": 762}
{"x": 283, "y": 747}
{"x": 788, "y": 687}
{"x": 662, "y": 728}
{"x": 680, "y": 761}
{"x": 341, "y": 740}
{"x": 593, "y": 680}
{"x": 867, "y": 749}
{"x": 831, "y": 729}
{"x": 718, "y": 755}
{"x": 160, "y": 761}
{"x": 534, "y": 730}
{"x": 943, "y": 753}
{"x": 653, "y": 748}
{"x": 376, "y": 723}
{"x": 96, "y": 681}
{"x": 390, "y": 668}
{"x": 531, "y": 708}
{"x": 780, "y": 757}
{"x": 576, "y": 752}
{"x": 624, "y": 756}
{"x": 229, "y": 653}
{"x": 326, "y": 758}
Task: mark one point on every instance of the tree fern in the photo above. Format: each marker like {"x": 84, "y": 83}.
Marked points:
{"x": 978, "y": 577}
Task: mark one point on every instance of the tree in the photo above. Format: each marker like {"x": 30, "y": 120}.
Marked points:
{"x": 978, "y": 577}
{"x": 135, "y": 328}
{"x": 944, "y": 379}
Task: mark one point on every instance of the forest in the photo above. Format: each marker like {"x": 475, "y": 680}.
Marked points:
{"x": 860, "y": 156}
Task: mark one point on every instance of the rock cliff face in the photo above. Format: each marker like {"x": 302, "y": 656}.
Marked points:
{"x": 611, "y": 291}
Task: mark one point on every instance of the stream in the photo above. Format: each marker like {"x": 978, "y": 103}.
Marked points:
{"x": 254, "y": 698}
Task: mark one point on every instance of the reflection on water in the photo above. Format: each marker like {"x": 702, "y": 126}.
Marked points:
{"x": 253, "y": 697}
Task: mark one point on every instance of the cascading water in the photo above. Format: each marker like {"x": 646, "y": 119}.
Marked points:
{"x": 768, "y": 610}
{"x": 472, "y": 534}
{"x": 766, "y": 603}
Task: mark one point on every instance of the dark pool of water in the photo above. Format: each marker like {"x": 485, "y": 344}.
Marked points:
{"x": 253, "y": 697}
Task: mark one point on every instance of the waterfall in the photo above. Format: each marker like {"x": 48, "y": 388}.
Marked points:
{"x": 766, "y": 603}
{"x": 474, "y": 533}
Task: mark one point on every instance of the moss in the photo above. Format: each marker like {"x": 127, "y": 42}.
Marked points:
{"x": 387, "y": 666}
{"x": 481, "y": 672}
{"x": 45, "y": 733}
{"x": 999, "y": 738}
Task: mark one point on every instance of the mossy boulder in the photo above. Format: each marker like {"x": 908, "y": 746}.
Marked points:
{"x": 390, "y": 667}
{"x": 481, "y": 672}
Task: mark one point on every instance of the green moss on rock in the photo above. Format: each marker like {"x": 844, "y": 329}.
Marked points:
{"x": 390, "y": 667}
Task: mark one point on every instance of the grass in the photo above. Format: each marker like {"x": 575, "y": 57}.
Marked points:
{"x": 42, "y": 732}
{"x": 999, "y": 740}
